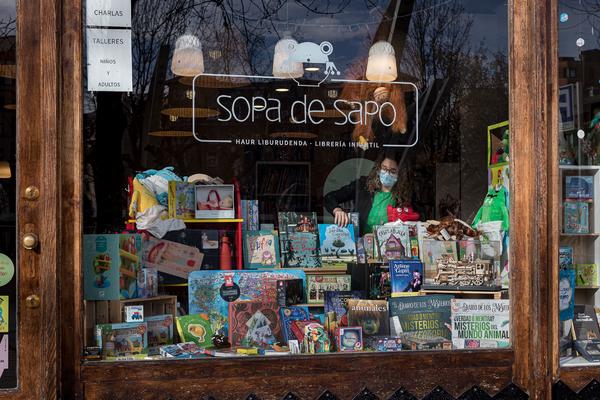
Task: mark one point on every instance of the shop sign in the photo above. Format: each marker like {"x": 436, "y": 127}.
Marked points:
{"x": 109, "y": 60}
{"x": 114, "y": 13}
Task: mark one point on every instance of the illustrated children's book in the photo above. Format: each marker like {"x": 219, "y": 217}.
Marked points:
{"x": 290, "y": 314}
{"x": 160, "y": 332}
{"x": 210, "y": 292}
{"x": 182, "y": 198}
{"x": 292, "y": 222}
{"x": 566, "y": 293}
{"x": 316, "y": 339}
{"x": 250, "y": 215}
{"x": 577, "y": 217}
{"x": 480, "y": 323}
{"x": 587, "y": 275}
{"x": 300, "y": 250}
{"x": 170, "y": 257}
{"x": 406, "y": 277}
{"x": 337, "y": 244}
{"x": 261, "y": 250}
{"x": 122, "y": 340}
{"x": 182, "y": 350}
{"x": 565, "y": 257}
{"x": 371, "y": 315}
{"x": 254, "y": 323}
{"x": 317, "y": 285}
{"x": 393, "y": 242}
{"x": 200, "y": 328}
{"x": 337, "y": 302}
{"x": 421, "y": 316}
{"x": 3, "y": 314}
{"x": 579, "y": 187}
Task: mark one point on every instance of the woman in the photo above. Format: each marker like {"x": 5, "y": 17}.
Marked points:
{"x": 371, "y": 195}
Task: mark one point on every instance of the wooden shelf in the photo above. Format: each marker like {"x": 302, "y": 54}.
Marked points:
{"x": 205, "y": 221}
{"x": 580, "y": 234}
{"x": 580, "y": 167}
{"x": 587, "y": 287}
{"x": 496, "y": 295}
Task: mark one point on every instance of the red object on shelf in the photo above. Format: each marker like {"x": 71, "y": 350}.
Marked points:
{"x": 402, "y": 213}
{"x": 225, "y": 259}
{"x": 238, "y": 231}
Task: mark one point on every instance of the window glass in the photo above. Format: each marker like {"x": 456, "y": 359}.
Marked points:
{"x": 579, "y": 165}
{"x": 297, "y": 176}
{"x": 8, "y": 171}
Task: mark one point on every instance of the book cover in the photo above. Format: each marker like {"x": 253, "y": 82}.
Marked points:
{"x": 393, "y": 242}
{"x": 290, "y": 314}
{"x": 261, "y": 250}
{"x": 122, "y": 339}
{"x": 565, "y": 257}
{"x": 199, "y": 328}
{"x": 300, "y": 250}
{"x": 369, "y": 245}
{"x": 250, "y": 215}
{"x": 421, "y": 316}
{"x": 254, "y": 323}
{"x": 585, "y": 323}
{"x": 317, "y": 285}
{"x": 576, "y": 220}
{"x": 587, "y": 275}
{"x": 566, "y": 294}
{"x": 337, "y": 302}
{"x": 406, "y": 277}
{"x": 371, "y": 315}
{"x": 480, "y": 323}
{"x": 181, "y": 197}
{"x": 160, "y": 332}
{"x": 337, "y": 244}
{"x": 579, "y": 187}
{"x": 210, "y": 292}
{"x": 291, "y": 222}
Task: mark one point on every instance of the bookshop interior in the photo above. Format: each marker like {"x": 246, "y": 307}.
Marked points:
{"x": 301, "y": 177}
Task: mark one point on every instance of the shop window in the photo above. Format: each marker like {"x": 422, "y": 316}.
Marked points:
{"x": 578, "y": 166}
{"x": 296, "y": 177}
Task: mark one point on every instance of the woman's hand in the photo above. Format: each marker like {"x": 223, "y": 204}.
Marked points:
{"x": 340, "y": 217}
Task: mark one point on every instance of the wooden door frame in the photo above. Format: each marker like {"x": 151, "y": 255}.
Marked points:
{"x": 37, "y": 155}
{"x": 533, "y": 116}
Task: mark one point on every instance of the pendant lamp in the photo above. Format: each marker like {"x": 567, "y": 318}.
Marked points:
{"x": 188, "y": 59}
{"x": 381, "y": 66}
{"x": 282, "y": 66}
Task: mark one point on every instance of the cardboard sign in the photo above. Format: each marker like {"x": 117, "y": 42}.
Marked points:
{"x": 109, "y": 60}
{"x": 116, "y": 13}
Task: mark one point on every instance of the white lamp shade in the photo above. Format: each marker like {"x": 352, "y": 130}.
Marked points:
{"x": 188, "y": 59}
{"x": 282, "y": 66}
{"x": 381, "y": 66}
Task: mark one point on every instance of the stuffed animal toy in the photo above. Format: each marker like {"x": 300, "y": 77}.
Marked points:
{"x": 157, "y": 182}
{"x": 493, "y": 208}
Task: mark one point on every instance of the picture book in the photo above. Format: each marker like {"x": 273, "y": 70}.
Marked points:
{"x": 566, "y": 293}
{"x": 317, "y": 285}
{"x": 337, "y": 244}
{"x": 199, "y": 328}
{"x": 160, "y": 332}
{"x": 406, "y": 277}
{"x": 300, "y": 250}
{"x": 565, "y": 257}
{"x": 250, "y": 215}
{"x": 254, "y": 323}
{"x": 369, "y": 245}
{"x": 586, "y": 275}
{"x": 585, "y": 323}
{"x": 371, "y": 315}
{"x": 3, "y": 314}
{"x": 215, "y": 201}
{"x": 337, "y": 302}
{"x": 576, "y": 219}
{"x": 579, "y": 187}
{"x": 169, "y": 257}
{"x": 261, "y": 250}
{"x": 122, "y": 339}
{"x": 361, "y": 255}
{"x": 300, "y": 222}
{"x": 480, "y": 323}
{"x": 348, "y": 339}
{"x": 181, "y": 198}
{"x": 421, "y": 316}
{"x": 316, "y": 339}
{"x": 393, "y": 242}
{"x": 182, "y": 350}
{"x": 289, "y": 314}
{"x": 209, "y": 292}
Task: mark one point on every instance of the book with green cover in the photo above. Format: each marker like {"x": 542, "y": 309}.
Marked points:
{"x": 587, "y": 275}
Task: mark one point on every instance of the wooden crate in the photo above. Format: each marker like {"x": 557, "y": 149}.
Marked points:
{"x": 112, "y": 311}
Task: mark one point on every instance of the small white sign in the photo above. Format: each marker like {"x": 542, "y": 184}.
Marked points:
{"x": 134, "y": 313}
{"x": 109, "y": 60}
{"x": 114, "y": 13}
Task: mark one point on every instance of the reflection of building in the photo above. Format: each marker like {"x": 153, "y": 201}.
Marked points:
{"x": 584, "y": 72}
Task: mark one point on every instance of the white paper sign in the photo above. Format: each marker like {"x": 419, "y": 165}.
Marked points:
{"x": 3, "y": 354}
{"x": 114, "y": 13}
{"x": 109, "y": 60}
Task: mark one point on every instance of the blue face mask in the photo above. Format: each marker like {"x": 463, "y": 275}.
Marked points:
{"x": 387, "y": 179}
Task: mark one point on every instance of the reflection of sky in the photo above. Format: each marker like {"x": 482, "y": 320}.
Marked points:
{"x": 583, "y": 22}
{"x": 7, "y": 9}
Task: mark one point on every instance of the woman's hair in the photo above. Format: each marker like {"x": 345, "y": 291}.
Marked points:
{"x": 399, "y": 191}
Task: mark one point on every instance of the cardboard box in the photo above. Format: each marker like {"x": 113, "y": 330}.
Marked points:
{"x": 110, "y": 266}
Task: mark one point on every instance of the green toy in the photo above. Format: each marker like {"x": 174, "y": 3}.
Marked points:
{"x": 493, "y": 208}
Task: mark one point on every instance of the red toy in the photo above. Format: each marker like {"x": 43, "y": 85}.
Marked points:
{"x": 403, "y": 214}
